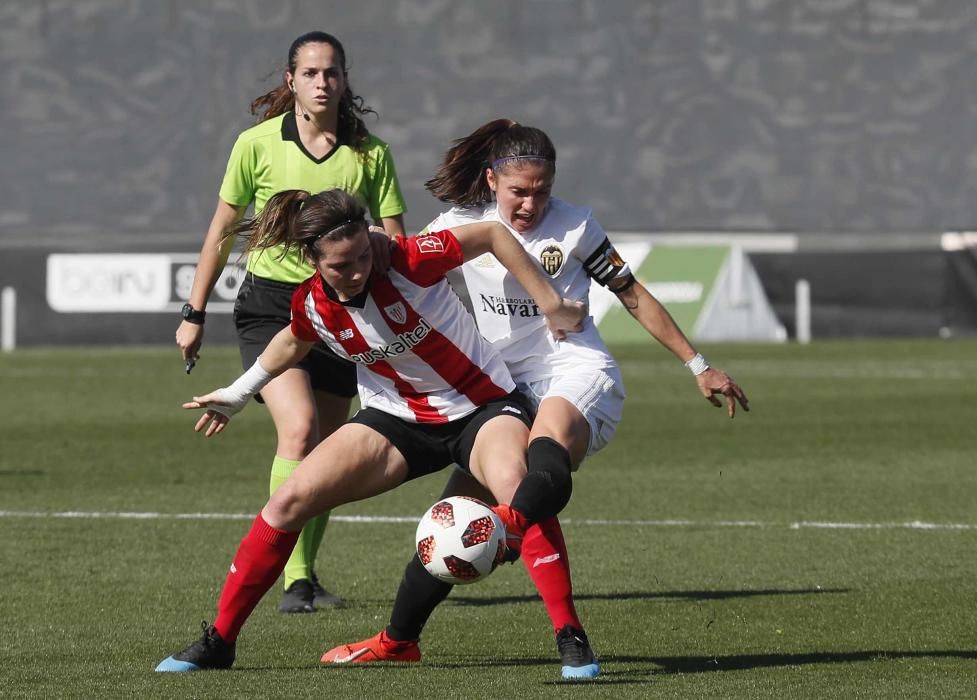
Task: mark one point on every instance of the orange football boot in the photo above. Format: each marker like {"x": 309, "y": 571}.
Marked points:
{"x": 377, "y": 648}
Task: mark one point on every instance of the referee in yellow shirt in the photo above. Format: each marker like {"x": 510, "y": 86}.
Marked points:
{"x": 310, "y": 136}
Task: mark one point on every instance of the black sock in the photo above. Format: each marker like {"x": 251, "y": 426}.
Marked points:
{"x": 548, "y": 485}
{"x": 419, "y": 594}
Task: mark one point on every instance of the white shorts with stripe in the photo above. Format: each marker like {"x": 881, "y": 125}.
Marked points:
{"x": 597, "y": 393}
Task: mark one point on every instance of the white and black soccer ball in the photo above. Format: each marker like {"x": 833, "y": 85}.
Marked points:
{"x": 460, "y": 540}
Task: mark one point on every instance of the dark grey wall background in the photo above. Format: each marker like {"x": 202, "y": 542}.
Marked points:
{"x": 813, "y": 116}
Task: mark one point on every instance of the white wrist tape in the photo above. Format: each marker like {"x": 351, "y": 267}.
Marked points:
{"x": 697, "y": 365}
{"x": 236, "y": 396}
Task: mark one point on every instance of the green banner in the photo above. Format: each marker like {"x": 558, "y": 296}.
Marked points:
{"x": 680, "y": 277}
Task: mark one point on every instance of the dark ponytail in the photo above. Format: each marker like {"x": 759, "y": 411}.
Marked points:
{"x": 275, "y": 225}
{"x": 498, "y": 145}
{"x": 294, "y": 218}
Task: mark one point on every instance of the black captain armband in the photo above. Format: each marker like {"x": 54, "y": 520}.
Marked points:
{"x": 605, "y": 264}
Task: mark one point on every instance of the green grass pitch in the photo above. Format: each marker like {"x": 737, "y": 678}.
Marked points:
{"x": 822, "y": 546}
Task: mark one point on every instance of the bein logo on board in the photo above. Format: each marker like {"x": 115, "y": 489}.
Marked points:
{"x": 134, "y": 283}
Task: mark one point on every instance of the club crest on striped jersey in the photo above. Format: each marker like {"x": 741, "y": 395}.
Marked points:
{"x": 428, "y": 243}
{"x": 396, "y": 312}
{"x": 551, "y": 259}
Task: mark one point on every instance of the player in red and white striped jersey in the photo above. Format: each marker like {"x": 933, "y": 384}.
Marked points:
{"x": 433, "y": 391}
{"x": 418, "y": 355}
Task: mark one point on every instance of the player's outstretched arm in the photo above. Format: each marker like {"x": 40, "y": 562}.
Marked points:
{"x": 655, "y": 319}
{"x": 283, "y": 352}
{"x": 562, "y": 315}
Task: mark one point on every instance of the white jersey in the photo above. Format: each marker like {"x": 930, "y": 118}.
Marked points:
{"x": 418, "y": 354}
{"x": 570, "y": 247}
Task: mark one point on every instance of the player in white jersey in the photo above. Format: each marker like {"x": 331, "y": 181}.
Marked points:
{"x": 568, "y": 244}
{"x": 504, "y": 172}
{"x": 433, "y": 391}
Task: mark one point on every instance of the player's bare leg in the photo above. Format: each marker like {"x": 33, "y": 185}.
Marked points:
{"x": 354, "y": 463}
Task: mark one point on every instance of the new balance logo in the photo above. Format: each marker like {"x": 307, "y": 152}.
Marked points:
{"x": 345, "y": 334}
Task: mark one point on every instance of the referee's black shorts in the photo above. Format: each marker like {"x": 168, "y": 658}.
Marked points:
{"x": 427, "y": 447}
{"x": 263, "y": 308}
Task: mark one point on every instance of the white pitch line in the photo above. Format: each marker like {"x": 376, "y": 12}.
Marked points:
{"x": 384, "y": 519}
{"x": 912, "y": 525}
{"x": 670, "y": 523}
{"x": 124, "y": 515}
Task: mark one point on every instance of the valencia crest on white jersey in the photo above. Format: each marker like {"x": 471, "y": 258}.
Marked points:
{"x": 571, "y": 248}
{"x": 418, "y": 354}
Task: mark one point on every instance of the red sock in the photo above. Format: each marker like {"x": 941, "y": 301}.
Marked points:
{"x": 259, "y": 561}
{"x": 394, "y": 645}
{"x": 544, "y": 554}
{"x": 514, "y": 521}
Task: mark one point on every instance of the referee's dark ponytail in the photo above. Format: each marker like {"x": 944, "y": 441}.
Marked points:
{"x": 294, "y": 218}
{"x": 352, "y": 129}
{"x": 498, "y": 145}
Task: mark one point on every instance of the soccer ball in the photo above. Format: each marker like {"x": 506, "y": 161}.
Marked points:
{"x": 460, "y": 540}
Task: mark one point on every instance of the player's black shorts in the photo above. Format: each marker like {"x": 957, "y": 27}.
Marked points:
{"x": 428, "y": 448}
{"x": 263, "y": 308}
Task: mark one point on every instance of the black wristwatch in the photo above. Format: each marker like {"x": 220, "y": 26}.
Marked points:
{"x": 192, "y": 315}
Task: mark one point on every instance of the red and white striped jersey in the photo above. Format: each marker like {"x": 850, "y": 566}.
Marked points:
{"x": 418, "y": 353}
